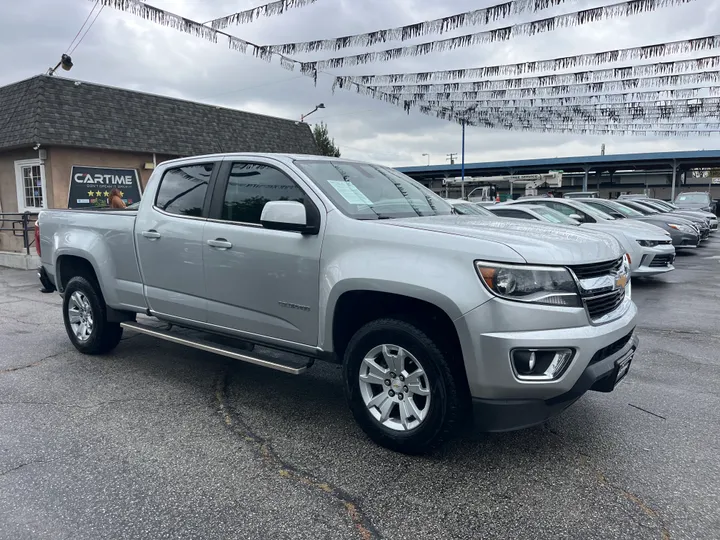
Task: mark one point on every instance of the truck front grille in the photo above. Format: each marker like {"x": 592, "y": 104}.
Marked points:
{"x": 585, "y": 271}
{"x": 602, "y": 304}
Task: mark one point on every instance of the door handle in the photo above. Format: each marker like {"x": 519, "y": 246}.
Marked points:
{"x": 151, "y": 234}
{"x": 219, "y": 243}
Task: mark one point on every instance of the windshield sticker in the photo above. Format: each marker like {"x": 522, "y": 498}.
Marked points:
{"x": 350, "y": 192}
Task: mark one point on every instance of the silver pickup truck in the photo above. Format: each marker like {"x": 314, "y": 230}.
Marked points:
{"x": 437, "y": 319}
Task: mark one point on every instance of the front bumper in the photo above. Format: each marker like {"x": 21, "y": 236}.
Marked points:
{"x": 654, "y": 261}
{"x": 600, "y": 375}
{"x": 681, "y": 239}
{"x": 487, "y": 338}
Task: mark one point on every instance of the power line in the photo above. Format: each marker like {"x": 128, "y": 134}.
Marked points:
{"x": 451, "y": 157}
{"x": 88, "y": 28}
{"x": 83, "y": 25}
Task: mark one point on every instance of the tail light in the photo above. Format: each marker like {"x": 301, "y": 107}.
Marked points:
{"x": 37, "y": 238}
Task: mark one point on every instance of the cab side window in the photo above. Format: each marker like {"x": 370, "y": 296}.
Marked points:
{"x": 251, "y": 186}
{"x": 182, "y": 190}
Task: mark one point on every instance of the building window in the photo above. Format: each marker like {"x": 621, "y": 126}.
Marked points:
{"x": 30, "y": 185}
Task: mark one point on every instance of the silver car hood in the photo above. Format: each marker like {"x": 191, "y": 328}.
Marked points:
{"x": 638, "y": 230}
{"x": 536, "y": 242}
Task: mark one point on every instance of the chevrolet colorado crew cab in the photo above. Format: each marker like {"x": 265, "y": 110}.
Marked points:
{"x": 437, "y": 319}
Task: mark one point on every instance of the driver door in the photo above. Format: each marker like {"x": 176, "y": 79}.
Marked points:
{"x": 260, "y": 281}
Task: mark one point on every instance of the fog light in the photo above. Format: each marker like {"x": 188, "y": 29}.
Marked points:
{"x": 540, "y": 364}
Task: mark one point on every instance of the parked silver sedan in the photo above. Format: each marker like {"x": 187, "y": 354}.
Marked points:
{"x": 650, "y": 248}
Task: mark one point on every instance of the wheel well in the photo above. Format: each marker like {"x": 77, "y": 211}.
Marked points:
{"x": 70, "y": 266}
{"x": 357, "y": 308}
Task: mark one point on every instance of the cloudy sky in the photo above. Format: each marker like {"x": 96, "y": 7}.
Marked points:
{"x": 123, "y": 50}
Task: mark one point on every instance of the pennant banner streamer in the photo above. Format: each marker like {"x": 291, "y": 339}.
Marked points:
{"x": 267, "y": 10}
{"x": 579, "y": 112}
{"x": 642, "y": 97}
{"x": 476, "y": 17}
{"x": 656, "y": 51}
{"x": 452, "y": 91}
{"x": 577, "y": 18}
{"x": 551, "y": 81}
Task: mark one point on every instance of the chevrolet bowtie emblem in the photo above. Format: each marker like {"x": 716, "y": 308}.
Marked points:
{"x": 621, "y": 281}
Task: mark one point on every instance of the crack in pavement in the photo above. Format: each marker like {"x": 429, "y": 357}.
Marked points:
{"x": 271, "y": 459}
{"x": 3, "y": 473}
{"x": 603, "y": 480}
{"x": 34, "y": 364}
{"x": 100, "y": 404}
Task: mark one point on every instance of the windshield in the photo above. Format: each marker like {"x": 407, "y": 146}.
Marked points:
{"x": 693, "y": 198}
{"x": 662, "y": 204}
{"x": 624, "y": 210}
{"x": 642, "y": 204}
{"x": 655, "y": 206}
{"x": 470, "y": 209}
{"x": 594, "y": 212}
{"x": 364, "y": 191}
{"x": 644, "y": 210}
{"x": 553, "y": 216}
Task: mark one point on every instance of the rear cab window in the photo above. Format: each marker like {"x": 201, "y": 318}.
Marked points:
{"x": 183, "y": 190}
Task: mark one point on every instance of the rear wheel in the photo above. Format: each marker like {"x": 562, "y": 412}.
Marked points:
{"x": 400, "y": 387}
{"x": 85, "y": 317}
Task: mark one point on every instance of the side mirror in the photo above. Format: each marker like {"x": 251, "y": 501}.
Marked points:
{"x": 286, "y": 216}
{"x": 577, "y": 217}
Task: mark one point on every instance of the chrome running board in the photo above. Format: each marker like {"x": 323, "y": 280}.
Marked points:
{"x": 223, "y": 350}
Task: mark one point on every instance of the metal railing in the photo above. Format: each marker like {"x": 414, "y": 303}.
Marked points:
{"x": 21, "y": 225}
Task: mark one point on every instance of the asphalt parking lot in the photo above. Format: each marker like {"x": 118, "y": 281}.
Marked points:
{"x": 158, "y": 441}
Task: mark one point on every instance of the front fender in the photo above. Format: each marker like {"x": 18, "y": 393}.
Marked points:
{"x": 454, "y": 288}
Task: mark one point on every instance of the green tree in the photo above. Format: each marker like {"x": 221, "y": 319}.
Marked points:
{"x": 325, "y": 143}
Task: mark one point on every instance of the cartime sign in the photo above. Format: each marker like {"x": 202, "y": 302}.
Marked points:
{"x": 91, "y": 186}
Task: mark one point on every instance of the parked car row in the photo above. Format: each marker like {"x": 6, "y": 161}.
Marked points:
{"x": 649, "y": 230}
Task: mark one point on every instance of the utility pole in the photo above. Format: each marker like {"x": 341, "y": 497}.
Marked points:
{"x": 452, "y": 157}
{"x": 462, "y": 166}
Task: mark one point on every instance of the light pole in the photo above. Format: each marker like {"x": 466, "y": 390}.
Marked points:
{"x": 428, "y": 156}
{"x": 319, "y": 106}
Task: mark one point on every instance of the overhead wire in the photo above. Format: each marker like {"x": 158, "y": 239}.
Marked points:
{"x": 83, "y": 26}
{"x": 88, "y": 29}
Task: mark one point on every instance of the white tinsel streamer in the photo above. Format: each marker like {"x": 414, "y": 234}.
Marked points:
{"x": 442, "y": 25}
{"x": 162, "y": 17}
{"x": 455, "y": 90}
{"x": 552, "y": 81}
{"x": 645, "y": 97}
{"x": 568, "y": 62}
{"x": 578, "y": 18}
{"x": 600, "y": 131}
{"x": 267, "y": 10}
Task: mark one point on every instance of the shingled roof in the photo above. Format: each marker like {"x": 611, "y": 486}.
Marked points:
{"x": 56, "y": 111}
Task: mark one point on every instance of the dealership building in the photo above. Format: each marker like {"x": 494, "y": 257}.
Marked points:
{"x": 67, "y": 143}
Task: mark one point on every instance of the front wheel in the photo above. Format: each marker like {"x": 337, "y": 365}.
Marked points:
{"x": 85, "y": 318}
{"x": 400, "y": 387}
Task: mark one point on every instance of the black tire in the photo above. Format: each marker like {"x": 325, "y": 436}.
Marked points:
{"x": 445, "y": 402}
{"x": 104, "y": 336}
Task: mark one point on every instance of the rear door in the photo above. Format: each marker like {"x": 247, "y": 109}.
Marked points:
{"x": 259, "y": 281}
{"x": 169, "y": 240}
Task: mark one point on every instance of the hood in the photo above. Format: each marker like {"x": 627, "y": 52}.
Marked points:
{"x": 635, "y": 229}
{"x": 536, "y": 242}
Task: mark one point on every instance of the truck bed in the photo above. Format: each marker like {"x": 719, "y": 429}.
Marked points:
{"x": 105, "y": 236}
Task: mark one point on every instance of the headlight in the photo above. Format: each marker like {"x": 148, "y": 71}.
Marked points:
{"x": 648, "y": 243}
{"x": 683, "y": 228}
{"x": 534, "y": 284}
